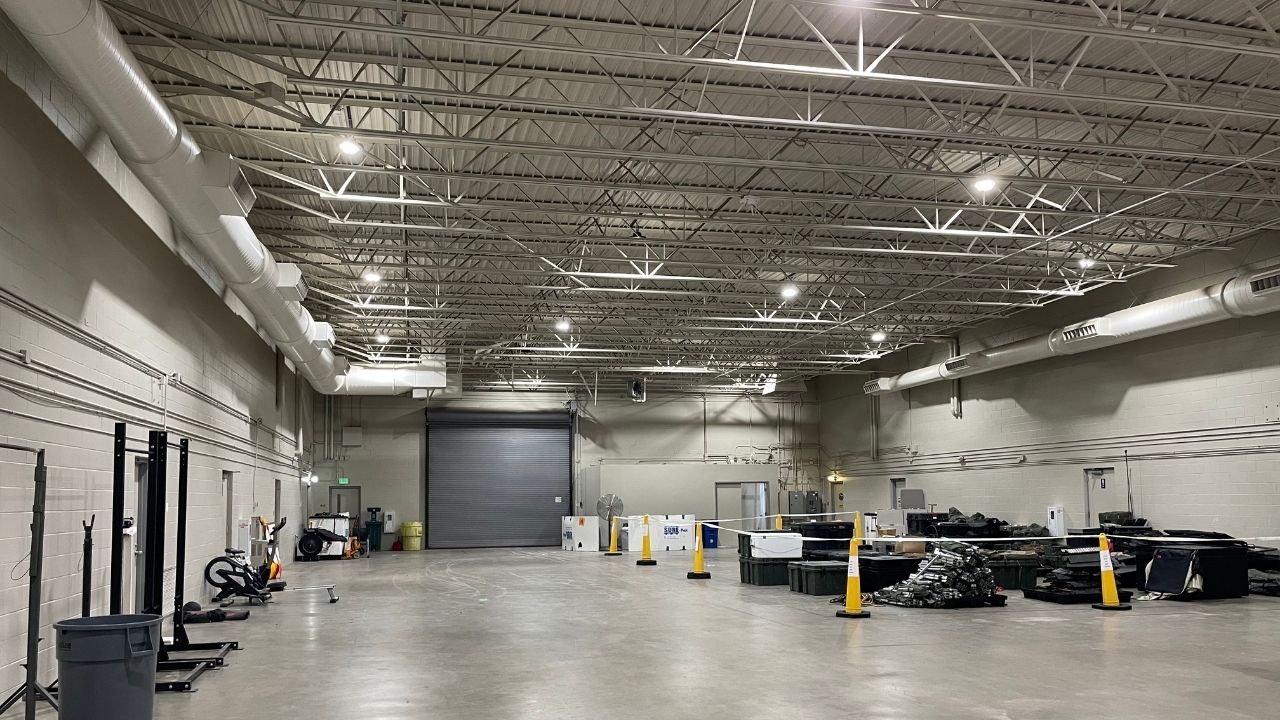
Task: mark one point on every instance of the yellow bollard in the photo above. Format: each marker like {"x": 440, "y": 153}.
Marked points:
{"x": 853, "y": 586}
{"x": 613, "y": 538}
{"x": 646, "y": 550}
{"x": 1110, "y": 596}
{"x": 777, "y": 524}
{"x": 699, "y": 571}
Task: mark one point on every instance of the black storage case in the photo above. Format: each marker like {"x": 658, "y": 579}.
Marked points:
{"x": 880, "y": 571}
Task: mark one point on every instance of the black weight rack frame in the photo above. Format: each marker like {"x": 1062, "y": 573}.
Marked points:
{"x": 172, "y": 657}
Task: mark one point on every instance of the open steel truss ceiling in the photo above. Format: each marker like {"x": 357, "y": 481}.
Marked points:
{"x": 659, "y": 173}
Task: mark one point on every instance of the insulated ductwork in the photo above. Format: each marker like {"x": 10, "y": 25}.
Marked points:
{"x": 1248, "y": 294}
{"x": 205, "y": 193}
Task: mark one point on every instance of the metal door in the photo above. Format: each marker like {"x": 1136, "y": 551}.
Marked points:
{"x": 497, "y": 479}
{"x": 344, "y": 499}
{"x": 755, "y": 504}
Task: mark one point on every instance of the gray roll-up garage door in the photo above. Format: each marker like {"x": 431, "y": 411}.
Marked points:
{"x": 497, "y": 479}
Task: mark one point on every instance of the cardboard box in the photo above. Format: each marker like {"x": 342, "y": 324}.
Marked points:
{"x": 908, "y": 548}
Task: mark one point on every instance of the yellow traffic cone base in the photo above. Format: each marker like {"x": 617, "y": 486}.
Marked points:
{"x": 1107, "y": 576}
{"x": 613, "y": 539}
{"x": 699, "y": 571}
{"x": 646, "y": 548}
{"x": 853, "y": 586}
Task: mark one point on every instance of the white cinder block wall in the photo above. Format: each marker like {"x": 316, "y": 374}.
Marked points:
{"x": 389, "y": 465}
{"x": 1197, "y": 411}
{"x": 104, "y": 310}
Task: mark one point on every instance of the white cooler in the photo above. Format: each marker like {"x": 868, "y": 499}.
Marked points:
{"x": 672, "y": 537}
{"x": 777, "y": 545}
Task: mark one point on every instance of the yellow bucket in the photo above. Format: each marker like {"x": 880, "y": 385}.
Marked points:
{"x": 411, "y": 535}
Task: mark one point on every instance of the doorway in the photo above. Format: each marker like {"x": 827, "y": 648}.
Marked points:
{"x": 344, "y": 499}
{"x": 729, "y": 504}
{"x": 896, "y": 485}
{"x": 1104, "y": 491}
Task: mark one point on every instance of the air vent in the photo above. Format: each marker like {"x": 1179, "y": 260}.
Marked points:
{"x": 957, "y": 363}
{"x": 1080, "y": 332}
{"x": 1266, "y": 283}
{"x": 875, "y": 387}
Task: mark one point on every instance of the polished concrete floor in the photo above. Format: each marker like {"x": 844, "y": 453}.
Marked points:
{"x": 506, "y": 634}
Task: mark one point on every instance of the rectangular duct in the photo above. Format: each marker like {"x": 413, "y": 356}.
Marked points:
{"x": 291, "y": 285}
{"x": 324, "y": 335}
{"x": 225, "y": 184}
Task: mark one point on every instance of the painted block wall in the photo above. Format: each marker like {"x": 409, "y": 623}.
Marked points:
{"x": 1197, "y": 411}
{"x": 665, "y": 432}
{"x": 95, "y": 311}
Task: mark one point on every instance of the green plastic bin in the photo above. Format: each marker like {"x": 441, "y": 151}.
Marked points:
{"x": 795, "y": 576}
{"x": 375, "y": 534}
{"x": 1014, "y": 574}
{"x": 768, "y": 571}
{"x": 825, "y": 577}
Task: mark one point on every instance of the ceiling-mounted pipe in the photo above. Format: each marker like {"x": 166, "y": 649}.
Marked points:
{"x": 205, "y": 193}
{"x": 1248, "y": 294}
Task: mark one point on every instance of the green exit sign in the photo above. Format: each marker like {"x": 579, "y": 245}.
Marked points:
{"x": 344, "y": 481}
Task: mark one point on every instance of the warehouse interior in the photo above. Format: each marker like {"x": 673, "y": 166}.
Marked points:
{"x": 520, "y": 358}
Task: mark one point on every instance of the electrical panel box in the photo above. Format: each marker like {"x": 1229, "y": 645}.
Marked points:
{"x": 911, "y": 498}
{"x": 580, "y": 532}
{"x": 777, "y": 545}
{"x": 804, "y": 502}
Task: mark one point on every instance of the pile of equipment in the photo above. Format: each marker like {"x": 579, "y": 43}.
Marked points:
{"x": 1077, "y": 576}
{"x": 955, "y": 575}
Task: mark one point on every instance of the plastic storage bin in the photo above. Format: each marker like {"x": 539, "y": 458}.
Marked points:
{"x": 825, "y": 577}
{"x": 768, "y": 571}
{"x": 710, "y": 537}
{"x": 795, "y": 576}
{"x": 1014, "y": 574}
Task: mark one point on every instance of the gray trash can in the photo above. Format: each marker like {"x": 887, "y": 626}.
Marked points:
{"x": 107, "y": 666}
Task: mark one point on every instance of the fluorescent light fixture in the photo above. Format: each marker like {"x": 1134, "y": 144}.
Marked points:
{"x": 382, "y": 339}
{"x": 372, "y": 276}
{"x": 1086, "y": 263}
{"x": 789, "y": 291}
{"x": 878, "y": 336}
{"x": 381, "y": 199}
{"x": 985, "y": 184}
{"x": 672, "y": 369}
{"x": 349, "y": 147}
{"x": 563, "y": 325}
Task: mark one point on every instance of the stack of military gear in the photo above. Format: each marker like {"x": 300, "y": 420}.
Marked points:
{"x": 1077, "y": 577}
{"x": 960, "y": 525}
{"x": 955, "y": 575}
